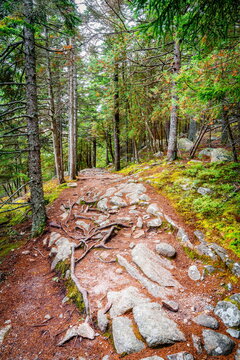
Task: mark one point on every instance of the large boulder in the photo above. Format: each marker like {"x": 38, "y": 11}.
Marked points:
{"x": 217, "y": 344}
{"x": 228, "y": 313}
{"x": 155, "y": 326}
{"x": 220, "y": 154}
{"x": 184, "y": 144}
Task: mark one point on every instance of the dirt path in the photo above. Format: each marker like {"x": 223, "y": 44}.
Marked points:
{"x": 32, "y": 295}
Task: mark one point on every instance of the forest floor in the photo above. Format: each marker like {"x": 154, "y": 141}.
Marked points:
{"x": 31, "y": 296}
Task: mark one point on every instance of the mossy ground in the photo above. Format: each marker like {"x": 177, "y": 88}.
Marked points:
{"x": 217, "y": 213}
{"x": 12, "y": 215}
{"x": 72, "y": 291}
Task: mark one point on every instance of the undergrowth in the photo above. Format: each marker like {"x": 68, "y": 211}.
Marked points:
{"x": 14, "y": 214}
{"x": 217, "y": 213}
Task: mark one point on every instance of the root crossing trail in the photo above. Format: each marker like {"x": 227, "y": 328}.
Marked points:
{"x": 145, "y": 297}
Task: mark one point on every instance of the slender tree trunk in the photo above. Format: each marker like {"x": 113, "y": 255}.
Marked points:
{"x": 192, "y": 130}
{"x": 57, "y": 147}
{"x": 136, "y": 156}
{"x": 94, "y": 153}
{"x": 72, "y": 130}
{"x": 172, "y": 140}
{"x": 34, "y": 163}
{"x": 116, "y": 119}
{"x": 230, "y": 135}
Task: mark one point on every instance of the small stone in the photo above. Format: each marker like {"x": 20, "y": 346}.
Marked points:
{"x": 26, "y": 252}
{"x": 125, "y": 341}
{"x": 47, "y": 317}
{"x": 153, "y": 209}
{"x": 102, "y": 320}
{"x": 236, "y": 269}
{"x": 183, "y": 355}
{"x": 84, "y": 330}
{"x": 154, "y": 223}
{"x": 194, "y": 273}
{"x": 7, "y": 322}
{"x": 197, "y": 343}
{"x": 206, "y": 320}
{"x": 65, "y": 299}
{"x": 139, "y": 222}
{"x": 106, "y": 357}
{"x": 170, "y": 305}
{"x": 204, "y": 191}
{"x": 165, "y": 250}
{"x": 234, "y": 333}
{"x": 72, "y": 185}
{"x": 217, "y": 344}
{"x": 3, "y": 332}
{"x": 228, "y": 313}
{"x": 131, "y": 245}
{"x": 182, "y": 235}
{"x": 119, "y": 271}
{"x": 60, "y": 316}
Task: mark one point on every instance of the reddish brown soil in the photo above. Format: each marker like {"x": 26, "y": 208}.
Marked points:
{"x": 29, "y": 291}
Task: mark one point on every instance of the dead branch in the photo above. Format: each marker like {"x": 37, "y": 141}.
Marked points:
{"x": 79, "y": 287}
{"x": 105, "y": 261}
{"x": 55, "y": 225}
{"x": 83, "y": 217}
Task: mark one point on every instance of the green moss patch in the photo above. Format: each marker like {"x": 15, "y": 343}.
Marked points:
{"x": 217, "y": 214}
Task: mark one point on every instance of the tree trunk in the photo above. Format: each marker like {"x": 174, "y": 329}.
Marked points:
{"x": 56, "y": 131}
{"x": 230, "y": 135}
{"x": 34, "y": 163}
{"x": 116, "y": 119}
{"x": 94, "y": 154}
{"x": 192, "y": 130}
{"x": 172, "y": 140}
{"x": 72, "y": 130}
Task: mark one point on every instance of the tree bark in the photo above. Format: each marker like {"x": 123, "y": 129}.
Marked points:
{"x": 94, "y": 153}
{"x": 230, "y": 135}
{"x": 172, "y": 140}
{"x": 34, "y": 163}
{"x": 72, "y": 130}
{"x": 56, "y": 130}
{"x": 116, "y": 119}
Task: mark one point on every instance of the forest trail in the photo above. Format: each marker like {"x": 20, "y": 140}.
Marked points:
{"x": 32, "y": 296}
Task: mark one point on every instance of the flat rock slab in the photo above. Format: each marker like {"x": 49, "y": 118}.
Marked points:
{"x": 217, "y": 344}
{"x": 206, "y": 320}
{"x": 124, "y": 300}
{"x": 124, "y": 338}
{"x": 153, "y": 288}
{"x": 153, "y": 266}
{"x": 228, "y": 313}
{"x": 155, "y": 326}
